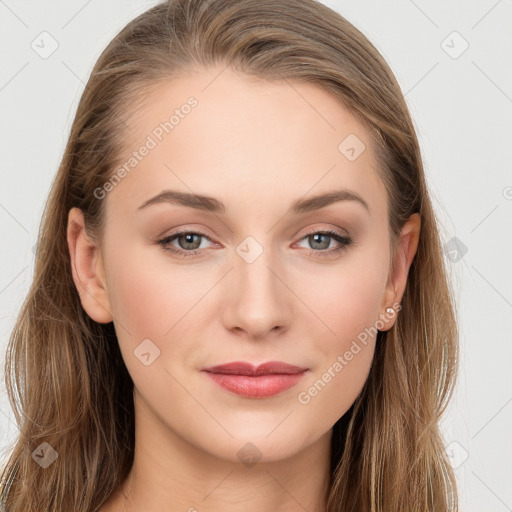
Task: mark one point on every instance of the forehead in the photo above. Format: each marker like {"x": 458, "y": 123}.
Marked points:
{"x": 222, "y": 133}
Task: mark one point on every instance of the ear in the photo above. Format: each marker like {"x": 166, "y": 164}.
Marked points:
{"x": 397, "y": 278}
{"x": 87, "y": 268}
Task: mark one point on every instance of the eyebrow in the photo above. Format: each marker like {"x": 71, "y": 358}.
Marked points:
{"x": 212, "y": 204}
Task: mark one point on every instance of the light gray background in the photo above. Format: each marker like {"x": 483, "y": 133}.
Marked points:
{"x": 462, "y": 107}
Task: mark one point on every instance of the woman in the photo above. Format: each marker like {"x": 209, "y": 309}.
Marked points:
{"x": 240, "y": 295}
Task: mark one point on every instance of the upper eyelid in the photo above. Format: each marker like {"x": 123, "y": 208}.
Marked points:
{"x": 326, "y": 231}
{"x": 343, "y": 241}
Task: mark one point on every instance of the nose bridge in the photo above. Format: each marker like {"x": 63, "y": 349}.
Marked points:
{"x": 258, "y": 300}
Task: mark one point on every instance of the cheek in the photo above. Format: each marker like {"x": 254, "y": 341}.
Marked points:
{"x": 151, "y": 297}
{"x": 345, "y": 298}
{"x": 343, "y": 358}
{"x": 331, "y": 390}
{"x": 154, "y": 301}
{"x": 349, "y": 304}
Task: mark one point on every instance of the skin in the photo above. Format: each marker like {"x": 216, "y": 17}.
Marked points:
{"x": 257, "y": 146}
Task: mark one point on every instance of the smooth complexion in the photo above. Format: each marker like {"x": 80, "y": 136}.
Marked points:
{"x": 257, "y": 147}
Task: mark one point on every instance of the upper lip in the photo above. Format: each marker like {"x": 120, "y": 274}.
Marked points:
{"x": 243, "y": 368}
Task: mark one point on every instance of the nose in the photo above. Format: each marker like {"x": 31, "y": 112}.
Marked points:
{"x": 256, "y": 301}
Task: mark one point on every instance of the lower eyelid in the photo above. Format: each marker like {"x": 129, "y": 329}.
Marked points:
{"x": 343, "y": 242}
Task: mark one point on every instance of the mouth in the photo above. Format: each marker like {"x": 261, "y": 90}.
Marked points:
{"x": 266, "y": 380}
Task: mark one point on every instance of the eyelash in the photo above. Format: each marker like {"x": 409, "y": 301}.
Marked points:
{"x": 345, "y": 241}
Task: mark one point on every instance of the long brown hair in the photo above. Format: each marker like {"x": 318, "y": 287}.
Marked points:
{"x": 65, "y": 377}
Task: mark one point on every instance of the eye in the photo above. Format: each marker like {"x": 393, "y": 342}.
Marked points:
{"x": 189, "y": 243}
{"x": 321, "y": 240}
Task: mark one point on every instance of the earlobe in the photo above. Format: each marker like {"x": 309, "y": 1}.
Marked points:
{"x": 397, "y": 280}
{"x": 87, "y": 269}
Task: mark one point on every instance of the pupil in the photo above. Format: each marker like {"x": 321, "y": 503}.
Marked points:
{"x": 189, "y": 240}
{"x": 316, "y": 239}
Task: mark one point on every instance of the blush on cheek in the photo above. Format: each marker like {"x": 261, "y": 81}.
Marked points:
{"x": 158, "y": 304}
{"x": 351, "y": 311}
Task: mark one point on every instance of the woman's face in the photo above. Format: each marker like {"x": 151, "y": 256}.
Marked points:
{"x": 253, "y": 278}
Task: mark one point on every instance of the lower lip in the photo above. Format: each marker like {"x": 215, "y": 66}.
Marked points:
{"x": 261, "y": 386}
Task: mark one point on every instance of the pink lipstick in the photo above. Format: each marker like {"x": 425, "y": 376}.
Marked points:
{"x": 263, "y": 381}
